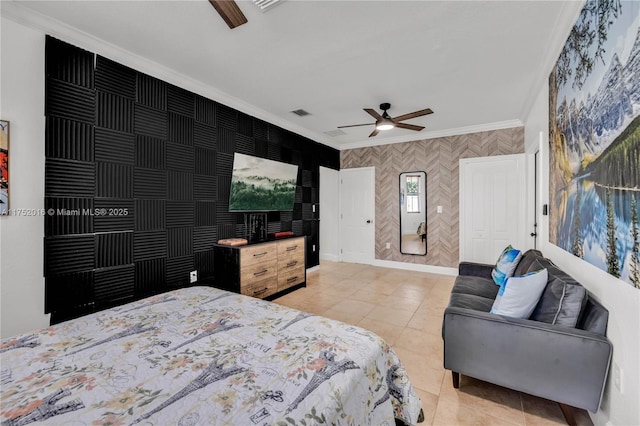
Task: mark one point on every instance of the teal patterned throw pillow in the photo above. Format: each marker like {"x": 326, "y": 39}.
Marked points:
{"x": 505, "y": 265}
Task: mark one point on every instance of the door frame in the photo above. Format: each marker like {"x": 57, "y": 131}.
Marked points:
{"x": 329, "y": 235}
{"x": 533, "y": 210}
{"x": 372, "y": 233}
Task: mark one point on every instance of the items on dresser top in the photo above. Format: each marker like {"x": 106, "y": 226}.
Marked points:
{"x": 233, "y": 242}
{"x": 282, "y": 234}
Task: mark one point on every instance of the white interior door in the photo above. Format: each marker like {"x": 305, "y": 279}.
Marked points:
{"x": 493, "y": 194}
{"x": 357, "y": 211}
{"x": 329, "y": 214}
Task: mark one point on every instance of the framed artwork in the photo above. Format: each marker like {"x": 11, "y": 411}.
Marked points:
{"x": 594, "y": 140}
{"x": 4, "y": 167}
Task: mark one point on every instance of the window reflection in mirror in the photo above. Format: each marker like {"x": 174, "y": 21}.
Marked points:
{"x": 413, "y": 209}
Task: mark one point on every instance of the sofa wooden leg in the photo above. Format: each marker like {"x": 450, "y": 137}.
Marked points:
{"x": 456, "y": 379}
{"x": 567, "y": 412}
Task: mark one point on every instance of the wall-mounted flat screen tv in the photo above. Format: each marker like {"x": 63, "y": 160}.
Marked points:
{"x": 258, "y": 184}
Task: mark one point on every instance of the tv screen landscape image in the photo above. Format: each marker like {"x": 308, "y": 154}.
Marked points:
{"x": 258, "y": 184}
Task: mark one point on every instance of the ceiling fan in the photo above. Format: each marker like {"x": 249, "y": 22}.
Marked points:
{"x": 385, "y": 122}
{"x": 233, "y": 16}
{"x": 230, "y": 12}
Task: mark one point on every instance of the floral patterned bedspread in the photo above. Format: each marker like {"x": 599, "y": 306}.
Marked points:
{"x": 202, "y": 356}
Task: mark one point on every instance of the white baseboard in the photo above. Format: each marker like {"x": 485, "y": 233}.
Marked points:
{"x": 443, "y": 270}
{"x": 313, "y": 268}
{"x": 330, "y": 257}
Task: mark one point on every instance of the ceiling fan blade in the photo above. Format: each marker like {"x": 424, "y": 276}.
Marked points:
{"x": 230, "y": 12}
{"x": 375, "y": 132}
{"x": 409, "y": 126}
{"x": 413, "y": 114}
{"x": 356, "y": 125}
{"x": 373, "y": 113}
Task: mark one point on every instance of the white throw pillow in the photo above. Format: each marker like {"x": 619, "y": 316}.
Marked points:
{"x": 518, "y": 296}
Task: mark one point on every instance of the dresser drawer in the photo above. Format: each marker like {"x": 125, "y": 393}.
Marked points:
{"x": 252, "y": 274}
{"x": 290, "y": 277}
{"x": 259, "y": 253}
{"x": 292, "y": 247}
{"x": 287, "y": 263}
{"x": 262, "y": 288}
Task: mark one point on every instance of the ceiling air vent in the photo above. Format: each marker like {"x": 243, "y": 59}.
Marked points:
{"x": 300, "y": 112}
{"x": 334, "y": 133}
{"x": 265, "y": 5}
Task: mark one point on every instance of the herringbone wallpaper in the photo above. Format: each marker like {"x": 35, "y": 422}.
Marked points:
{"x": 439, "y": 158}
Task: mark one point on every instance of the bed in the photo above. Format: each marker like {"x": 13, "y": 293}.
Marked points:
{"x": 203, "y": 356}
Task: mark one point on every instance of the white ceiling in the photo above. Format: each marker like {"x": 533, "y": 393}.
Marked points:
{"x": 475, "y": 63}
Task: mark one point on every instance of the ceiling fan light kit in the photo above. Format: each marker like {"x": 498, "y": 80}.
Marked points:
{"x": 386, "y": 122}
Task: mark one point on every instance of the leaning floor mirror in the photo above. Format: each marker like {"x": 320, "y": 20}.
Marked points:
{"x": 413, "y": 213}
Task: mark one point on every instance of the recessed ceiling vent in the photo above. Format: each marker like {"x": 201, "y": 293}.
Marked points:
{"x": 300, "y": 112}
{"x": 265, "y": 5}
{"x": 334, "y": 133}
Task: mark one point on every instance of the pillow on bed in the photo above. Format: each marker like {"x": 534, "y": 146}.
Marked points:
{"x": 518, "y": 296}
{"x": 506, "y": 264}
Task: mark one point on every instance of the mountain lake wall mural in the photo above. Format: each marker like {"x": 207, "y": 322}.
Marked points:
{"x": 594, "y": 137}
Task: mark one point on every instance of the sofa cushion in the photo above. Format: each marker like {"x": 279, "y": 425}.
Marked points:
{"x": 518, "y": 296}
{"x": 484, "y": 287}
{"x": 594, "y": 317}
{"x": 526, "y": 262}
{"x": 506, "y": 264}
{"x": 475, "y": 269}
{"x": 470, "y": 301}
{"x": 562, "y": 300}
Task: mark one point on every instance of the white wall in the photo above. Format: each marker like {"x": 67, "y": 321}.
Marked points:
{"x": 329, "y": 214}
{"x": 620, "y": 298}
{"x": 21, "y": 237}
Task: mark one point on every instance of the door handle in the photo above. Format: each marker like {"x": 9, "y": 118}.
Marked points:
{"x": 533, "y": 234}
{"x": 368, "y": 221}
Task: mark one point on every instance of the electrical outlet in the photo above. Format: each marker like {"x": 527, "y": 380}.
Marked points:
{"x": 193, "y": 276}
{"x": 388, "y": 245}
{"x": 439, "y": 209}
{"x": 617, "y": 377}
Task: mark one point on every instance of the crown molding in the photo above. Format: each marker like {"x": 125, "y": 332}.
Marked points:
{"x": 21, "y": 14}
{"x": 561, "y": 29}
{"x": 508, "y": 124}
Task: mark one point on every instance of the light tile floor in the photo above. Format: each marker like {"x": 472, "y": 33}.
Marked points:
{"x": 405, "y": 308}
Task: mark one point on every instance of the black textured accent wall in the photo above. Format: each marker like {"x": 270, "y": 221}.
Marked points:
{"x": 137, "y": 179}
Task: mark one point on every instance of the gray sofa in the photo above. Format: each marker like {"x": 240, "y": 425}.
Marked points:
{"x": 560, "y": 353}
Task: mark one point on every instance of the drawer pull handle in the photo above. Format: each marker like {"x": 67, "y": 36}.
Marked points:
{"x": 290, "y": 264}
{"x": 292, "y": 247}
{"x": 260, "y": 291}
{"x": 257, "y": 274}
{"x": 292, "y": 279}
{"x": 259, "y": 254}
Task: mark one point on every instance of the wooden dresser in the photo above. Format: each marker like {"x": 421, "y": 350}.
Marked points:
{"x": 261, "y": 269}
